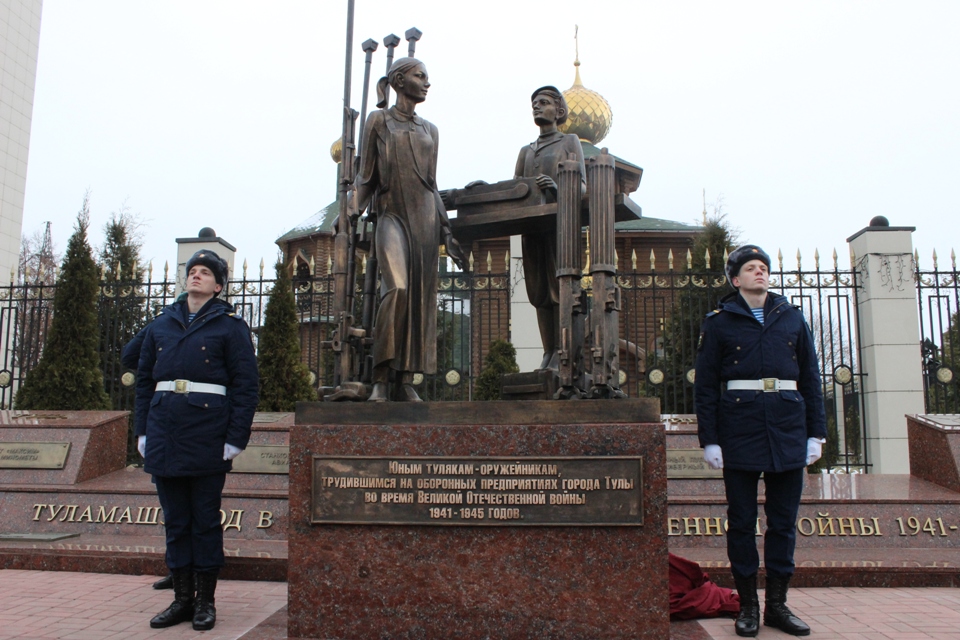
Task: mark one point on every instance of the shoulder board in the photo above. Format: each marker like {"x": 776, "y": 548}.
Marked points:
{"x": 713, "y": 313}
{"x": 233, "y": 314}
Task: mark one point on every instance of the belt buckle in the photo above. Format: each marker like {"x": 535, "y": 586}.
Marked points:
{"x": 180, "y": 386}
{"x": 769, "y": 384}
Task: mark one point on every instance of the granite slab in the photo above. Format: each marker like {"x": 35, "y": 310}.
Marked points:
{"x": 934, "y": 442}
{"x": 98, "y": 443}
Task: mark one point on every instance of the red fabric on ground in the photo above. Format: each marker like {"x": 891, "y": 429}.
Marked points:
{"x": 692, "y": 595}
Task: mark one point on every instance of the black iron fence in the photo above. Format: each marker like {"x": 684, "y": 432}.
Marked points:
{"x": 660, "y": 318}
{"x": 939, "y": 305}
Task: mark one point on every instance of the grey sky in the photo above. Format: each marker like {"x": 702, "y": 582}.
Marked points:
{"x": 809, "y": 117}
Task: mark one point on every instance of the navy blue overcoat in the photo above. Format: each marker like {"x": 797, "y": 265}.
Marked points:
{"x": 756, "y": 430}
{"x": 186, "y": 431}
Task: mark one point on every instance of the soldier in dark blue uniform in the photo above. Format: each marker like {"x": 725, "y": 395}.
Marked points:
{"x": 760, "y": 411}
{"x": 197, "y": 388}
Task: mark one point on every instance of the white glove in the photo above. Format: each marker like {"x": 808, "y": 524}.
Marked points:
{"x": 230, "y": 452}
{"x": 142, "y": 446}
{"x": 713, "y": 455}
{"x": 814, "y": 450}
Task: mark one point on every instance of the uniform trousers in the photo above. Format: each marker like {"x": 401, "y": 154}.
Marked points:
{"x": 781, "y": 507}
{"x": 191, "y": 513}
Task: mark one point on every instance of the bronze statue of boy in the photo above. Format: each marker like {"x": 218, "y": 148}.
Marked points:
{"x": 540, "y": 160}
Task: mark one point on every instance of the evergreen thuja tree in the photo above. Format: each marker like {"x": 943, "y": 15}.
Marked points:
{"x": 121, "y": 313}
{"x": 501, "y": 359}
{"x": 284, "y": 379}
{"x": 68, "y": 376}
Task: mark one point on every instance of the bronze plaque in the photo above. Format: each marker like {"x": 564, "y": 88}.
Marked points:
{"x": 689, "y": 463}
{"x": 33, "y": 455}
{"x": 263, "y": 458}
{"x": 478, "y": 491}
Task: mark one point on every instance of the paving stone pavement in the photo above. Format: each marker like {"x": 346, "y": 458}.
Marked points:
{"x": 865, "y": 614}
{"x": 36, "y": 605}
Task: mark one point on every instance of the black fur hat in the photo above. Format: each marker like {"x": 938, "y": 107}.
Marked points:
{"x": 209, "y": 259}
{"x": 742, "y": 256}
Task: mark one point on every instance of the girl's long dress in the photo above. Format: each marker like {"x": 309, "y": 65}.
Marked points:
{"x": 398, "y": 163}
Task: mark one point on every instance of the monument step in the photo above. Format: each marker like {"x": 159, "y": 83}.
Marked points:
{"x": 842, "y": 512}
{"x": 124, "y": 503}
{"x": 245, "y": 559}
{"x": 877, "y": 567}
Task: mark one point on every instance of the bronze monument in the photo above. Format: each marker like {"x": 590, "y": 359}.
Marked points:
{"x": 406, "y": 220}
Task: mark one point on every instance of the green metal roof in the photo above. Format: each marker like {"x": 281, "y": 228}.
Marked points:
{"x": 658, "y": 225}
{"x": 320, "y": 222}
{"x": 590, "y": 151}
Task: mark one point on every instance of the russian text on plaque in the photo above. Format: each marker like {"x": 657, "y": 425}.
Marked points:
{"x": 478, "y": 491}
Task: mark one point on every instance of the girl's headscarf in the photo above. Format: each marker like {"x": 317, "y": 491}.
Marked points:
{"x": 401, "y": 65}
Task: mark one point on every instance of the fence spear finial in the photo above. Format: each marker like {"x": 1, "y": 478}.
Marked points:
{"x": 816, "y": 259}
{"x": 653, "y": 261}
{"x": 166, "y": 270}
{"x": 471, "y": 262}
{"x": 633, "y": 260}
{"x": 953, "y": 259}
{"x": 670, "y": 260}
{"x": 706, "y": 256}
{"x": 150, "y": 272}
{"x": 780, "y": 259}
{"x": 798, "y": 261}
{"x": 835, "y": 268}
{"x": 689, "y": 260}
{"x": 489, "y": 262}
{"x": 506, "y": 261}
{"x": 934, "y": 259}
{"x": 244, "y": 268}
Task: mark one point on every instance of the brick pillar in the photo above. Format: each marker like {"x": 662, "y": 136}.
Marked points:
{"x": 889, "y": 333}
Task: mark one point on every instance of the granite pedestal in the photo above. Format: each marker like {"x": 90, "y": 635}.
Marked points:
{"x": 422, "y": 581}
{"x": 96, "y": 514}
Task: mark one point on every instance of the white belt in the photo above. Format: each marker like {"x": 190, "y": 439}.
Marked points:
{"x": 764, "y": 384}
{"x": 185, "y": 386}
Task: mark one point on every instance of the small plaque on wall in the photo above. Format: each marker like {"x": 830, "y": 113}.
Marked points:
{"x": 689, "y": 463}
{"x": 263, "y": 458}
{"x": 33, "y": 455}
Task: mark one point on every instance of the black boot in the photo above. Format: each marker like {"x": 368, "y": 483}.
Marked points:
{"x": 182, "y": 608}
{"x": 206, "y": 614}
{"x": 775, "y": 611}
{"x": 748, "y": 621}
{"x": 164, "y": 583}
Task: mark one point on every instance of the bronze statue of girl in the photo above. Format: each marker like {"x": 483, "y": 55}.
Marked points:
{"x": 399, "y": 167}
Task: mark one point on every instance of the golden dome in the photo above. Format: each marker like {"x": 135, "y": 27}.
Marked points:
{"x": 336, "y": 150}
{"x": 590, "y": 116}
